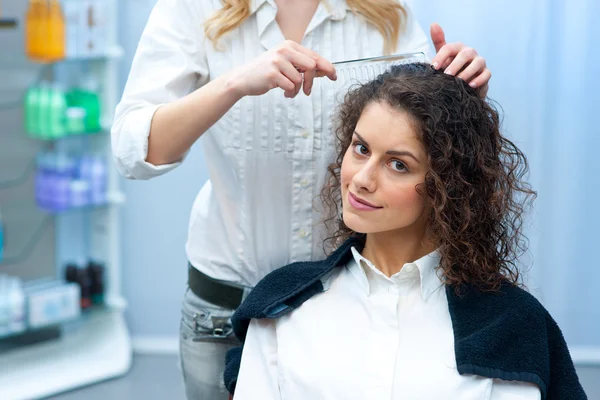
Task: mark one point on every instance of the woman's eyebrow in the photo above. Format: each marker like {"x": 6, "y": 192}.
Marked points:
{"x": 390, "y": 152}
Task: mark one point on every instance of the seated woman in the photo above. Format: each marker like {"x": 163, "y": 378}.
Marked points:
{"x": 421, "y": 298}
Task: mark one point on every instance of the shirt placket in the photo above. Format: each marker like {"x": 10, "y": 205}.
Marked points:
{"x": 384, "y": 346}
{"x": 302, "y": 121}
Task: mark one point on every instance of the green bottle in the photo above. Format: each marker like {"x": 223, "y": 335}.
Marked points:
{"x": 57, "y": 113}
{"x": 43, "y": 111}
{"x": 32, "y": 119}
{"x": 90, "y": 101}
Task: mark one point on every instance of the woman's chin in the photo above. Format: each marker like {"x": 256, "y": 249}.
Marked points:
{"x": 356, "y": 223}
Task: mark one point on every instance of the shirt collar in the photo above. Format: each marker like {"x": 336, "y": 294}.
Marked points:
{"x": 427, "y": 265}
{"x": 266, "y": 11}
{"x": 336, "y": 8}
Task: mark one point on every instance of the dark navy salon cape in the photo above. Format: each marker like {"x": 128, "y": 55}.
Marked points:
{"x": 507, "y": 335}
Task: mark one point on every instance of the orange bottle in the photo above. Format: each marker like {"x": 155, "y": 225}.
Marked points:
{"x": 55, "y": 42}
{"x": 34, "y": 29}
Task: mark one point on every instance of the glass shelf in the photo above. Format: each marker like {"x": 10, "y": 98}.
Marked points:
{"x": 25, "y": 249}
{"x": 69, "y": 136}
{"x": 112, "y": 53}
{"x": 13, "y": 339}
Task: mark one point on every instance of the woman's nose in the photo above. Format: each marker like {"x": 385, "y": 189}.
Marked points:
{"x": 366, "y": 178}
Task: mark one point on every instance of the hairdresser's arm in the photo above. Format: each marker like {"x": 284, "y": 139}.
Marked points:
{"x": 176, "y": 126}
{"x": 160, "y": 115}
{"x": 167, "y": 66}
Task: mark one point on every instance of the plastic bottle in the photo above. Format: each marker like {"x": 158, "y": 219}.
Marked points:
{"x": 32, "y": 108}
{"x": 45, "y": 181}
{"x": 72, "y": 10}
{"x": 1, "y": 237}
{"x": 4, "y": 306}
{"x": 85, "y": 283}
{"x": 97, "y": 181}
{"x": 55, "y": 45}
{"x": 57, "y": 113}
{"x": 16, "y": 300}
{"x": 80, "y": 193}
{"x": 75, "y": 120}
{"x": 96, "y": 273}
{"x": 65, "y": 168}
{"x": 35, "y": 20}
{"x": 90, "y": 100}
{"x": 43, "y": 110}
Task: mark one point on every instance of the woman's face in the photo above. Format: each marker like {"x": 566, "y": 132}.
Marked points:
{"x": 380, "y": 172}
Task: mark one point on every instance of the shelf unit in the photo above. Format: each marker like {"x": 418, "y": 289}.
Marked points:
{"x": 97, "y": 346}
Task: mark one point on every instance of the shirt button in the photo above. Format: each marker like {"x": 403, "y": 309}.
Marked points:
{"x": 302, "y": 233}
{"x": 304, "y": 134}
{"x": 304, "y": 182}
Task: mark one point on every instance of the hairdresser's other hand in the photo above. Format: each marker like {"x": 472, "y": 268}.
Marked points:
{"x": 289, "y": 66}
{"x": 459, "y": 60}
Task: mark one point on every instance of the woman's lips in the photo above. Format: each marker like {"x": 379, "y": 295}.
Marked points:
{"x": 360, "y": 204}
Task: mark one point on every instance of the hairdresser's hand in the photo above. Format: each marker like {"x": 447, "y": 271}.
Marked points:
{"x": 290, "y": 67}
{"x": 459, "y": 60}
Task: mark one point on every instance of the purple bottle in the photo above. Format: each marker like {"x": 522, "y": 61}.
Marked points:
{"x": 93, "y": 171}
{"x": 65, "y": 171}
{"x": 43, "y": 181}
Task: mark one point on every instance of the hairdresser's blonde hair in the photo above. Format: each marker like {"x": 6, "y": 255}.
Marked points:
{"x": 386, "y": 15}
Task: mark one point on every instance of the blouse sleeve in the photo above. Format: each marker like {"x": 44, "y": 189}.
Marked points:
{"x": 258, "y": 377}
{"x": 514, "y": 390}
{"x": 168, "y": 64}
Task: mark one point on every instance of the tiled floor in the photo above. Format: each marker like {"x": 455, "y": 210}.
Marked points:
{"x": 158, "y": 378}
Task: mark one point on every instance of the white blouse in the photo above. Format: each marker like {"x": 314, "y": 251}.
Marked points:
{"x": 366, "y": 337}
{"x": 267, "y": 157}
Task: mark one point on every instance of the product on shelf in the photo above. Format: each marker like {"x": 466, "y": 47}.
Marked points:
{"x": 86, "y": 27}
{"x": 12, "y": 306}
{"x": 96, "y": 272}
{"x": 53, "y": 113}
{"x": 64, "y": 182}
{"x": 1, "y": 237}
{"x": 85, "y": 284}
{"x": 45, "y": 31}
{"x": 90, "y": 279}
{"x": 50, "y": 302}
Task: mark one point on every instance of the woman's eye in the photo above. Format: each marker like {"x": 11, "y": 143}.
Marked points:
{"x": 398, "y": 166}
{"x": 361, "y": 149}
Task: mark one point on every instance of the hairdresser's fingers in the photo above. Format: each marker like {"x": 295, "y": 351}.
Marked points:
{"x": 447, "y": 63}
{"x": 473, "y": 69}
{"x": 461, "y": 60}
{"x": 292, "y": 74}
{"x": 322, "y": 64}
{"x": 309, "y": 76}
{"x": 281, "y": 81}
{"x": 437, "y": 36}
{"x": 447, "y": 51}
{"x": 299, "y": 60}
{"x": 481, "y": 82}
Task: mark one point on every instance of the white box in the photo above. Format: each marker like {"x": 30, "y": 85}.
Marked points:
{"x": 72, "y": 10}
{"x": 53, "y": 305}
{"x": 93, "y": 27}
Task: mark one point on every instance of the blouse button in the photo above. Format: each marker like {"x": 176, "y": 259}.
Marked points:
{"x": 305, "y": 134}
{"x": 304, "y": 182}
{"x": 302, "y": 233}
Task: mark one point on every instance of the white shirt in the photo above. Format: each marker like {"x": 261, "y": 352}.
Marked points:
{"x": 366, "y": 337}
{"x": 267, "y": 157}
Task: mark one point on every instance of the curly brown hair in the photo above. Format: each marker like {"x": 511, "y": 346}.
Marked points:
{"x": 474, "y": 185}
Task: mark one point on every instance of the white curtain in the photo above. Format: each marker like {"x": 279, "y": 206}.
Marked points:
{"x": 545, "y": 60}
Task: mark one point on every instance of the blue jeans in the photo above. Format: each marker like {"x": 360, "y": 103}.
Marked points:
{"x": 205, "y": 336}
